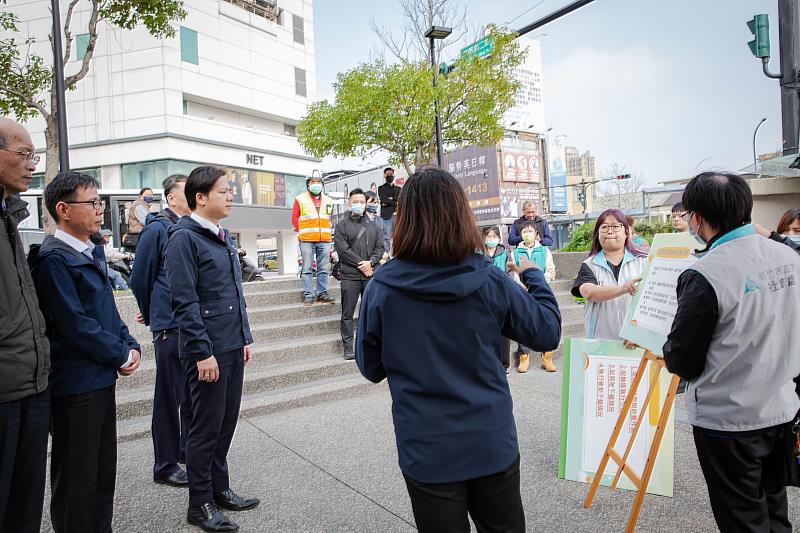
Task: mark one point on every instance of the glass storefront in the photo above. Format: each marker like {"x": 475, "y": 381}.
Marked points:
{"x": 38, "y": 178}
{"x": 152, "y": 173}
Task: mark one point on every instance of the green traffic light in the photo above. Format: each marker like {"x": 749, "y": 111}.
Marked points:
{"x": 759, "y": 27}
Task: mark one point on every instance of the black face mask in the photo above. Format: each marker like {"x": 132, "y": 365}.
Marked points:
{"x": 389, "y": 179}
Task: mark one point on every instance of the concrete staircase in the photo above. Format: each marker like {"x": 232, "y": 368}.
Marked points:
{"x": 290, "y": 368}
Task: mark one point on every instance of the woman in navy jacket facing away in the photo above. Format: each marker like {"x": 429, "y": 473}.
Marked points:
{"x": 432, "y": 323}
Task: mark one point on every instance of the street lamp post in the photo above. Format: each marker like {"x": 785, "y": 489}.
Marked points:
{"x": 434, "y": 34}
{"x": 755, "y": 158}
{"x": 58, "y": 74}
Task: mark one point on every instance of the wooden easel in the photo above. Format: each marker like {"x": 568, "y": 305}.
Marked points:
{"x": 610, "y": 453}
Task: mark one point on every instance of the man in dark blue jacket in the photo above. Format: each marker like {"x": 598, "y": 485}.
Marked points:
{"x": 208, "y": 304}
{"x": 171, "y": 410}
{"x": 529, "y": 215}
{"x": 90, "y": 346}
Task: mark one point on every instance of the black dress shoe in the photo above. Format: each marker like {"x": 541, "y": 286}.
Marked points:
{"x": 233, "y": 502}
{"x": 176, "y": 479}
{"x": 208, "y": 518}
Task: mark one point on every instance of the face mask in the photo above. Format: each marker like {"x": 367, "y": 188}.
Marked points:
{"x": 372, "y": 208}
{"x": 794, "y": 238}
{"x": 491, "y": 243}
{"x": 315, "y": 188}
{"x": 357, "y": 209}
{"x": 389, "y": 179}
{"x": 147, "y": 198}
{"x": 697, "y": 237}
{"x": 529, "y": 238}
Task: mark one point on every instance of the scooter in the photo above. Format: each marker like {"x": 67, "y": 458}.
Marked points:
{"x": 250, "y": 271}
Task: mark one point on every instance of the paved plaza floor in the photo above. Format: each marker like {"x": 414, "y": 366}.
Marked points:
{"x": 333, "y": 467}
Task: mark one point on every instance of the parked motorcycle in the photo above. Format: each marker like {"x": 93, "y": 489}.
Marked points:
{"x": 250, "y": 271}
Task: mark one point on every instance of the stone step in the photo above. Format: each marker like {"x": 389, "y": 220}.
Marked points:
{"x": 301, "y": 395}
{"x": 282, "y": 283}
{"x": 132, "y": 403}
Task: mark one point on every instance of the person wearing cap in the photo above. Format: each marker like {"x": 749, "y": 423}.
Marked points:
{"x": 114, "y": 256}
{"x": 311, "y": 219}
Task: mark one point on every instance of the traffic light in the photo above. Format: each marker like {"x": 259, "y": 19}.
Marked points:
{"x": 759, "y": 27}
{"x": 624, "y": 177}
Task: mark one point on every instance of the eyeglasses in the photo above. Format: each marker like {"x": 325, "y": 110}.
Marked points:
{"x": 26, "y": 156}
{"x": 99, "y": 205}
{"x": 615, "y": 228}
{"x": 686, "y": 216}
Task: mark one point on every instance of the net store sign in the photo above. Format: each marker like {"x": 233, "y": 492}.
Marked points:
{"x": 255, "y": 159}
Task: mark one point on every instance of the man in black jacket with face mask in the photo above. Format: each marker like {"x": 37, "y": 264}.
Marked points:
{"x": 359, "y": 244}
{"x": 388, "y": 194}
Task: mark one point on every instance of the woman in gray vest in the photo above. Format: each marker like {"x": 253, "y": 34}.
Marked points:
{"x": 608, "y": 277}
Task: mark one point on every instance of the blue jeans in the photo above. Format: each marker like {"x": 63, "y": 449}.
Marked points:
{"x": 322, "y": 252}
{"x": 117, "y": 280}
{"x": 389, "y": 225}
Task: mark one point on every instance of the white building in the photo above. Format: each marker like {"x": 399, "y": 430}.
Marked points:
{"x": 227, "y": 90}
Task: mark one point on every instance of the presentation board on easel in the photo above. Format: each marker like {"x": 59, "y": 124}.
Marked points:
{"x": 597, "y": 377}
{"x": 649, "y": 318}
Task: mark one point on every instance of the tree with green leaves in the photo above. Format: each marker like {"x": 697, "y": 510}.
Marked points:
{"x": 27, "y": 81}
{"x": 390, "y": 107}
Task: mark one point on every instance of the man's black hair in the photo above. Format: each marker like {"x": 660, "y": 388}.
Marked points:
{"x": 723, "y": 200}
{"x": 358, "y": 190}
{"x": 678, "y": 207}
{"x": 141, "y": 192}
{"x": 63, "y": 189}
{"x": 200, "y": 181}
{"x": 170, "y": 182}
{"x": 387, "y": 169}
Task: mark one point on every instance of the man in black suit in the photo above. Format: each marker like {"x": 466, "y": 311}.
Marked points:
{"x": 388, "y": 193}
{"x": 208, "y": 304}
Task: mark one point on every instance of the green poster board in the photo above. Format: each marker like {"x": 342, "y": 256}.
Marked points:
{"x": 596, "y": 378}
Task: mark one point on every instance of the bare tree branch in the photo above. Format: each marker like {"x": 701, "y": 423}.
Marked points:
{"x": 87, "y": 58}
{"x": 68, "y": 31}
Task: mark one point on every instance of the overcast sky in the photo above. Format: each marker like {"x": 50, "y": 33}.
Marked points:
{"x": 664, "y": 89}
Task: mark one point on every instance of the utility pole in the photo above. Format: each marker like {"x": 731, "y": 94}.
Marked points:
{"x": 789, "y": 25}
{"x": 789, "y": 75}
{"x": 58, "y": 75}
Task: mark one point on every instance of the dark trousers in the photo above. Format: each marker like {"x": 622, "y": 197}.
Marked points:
{"x": 351, "y": 290}
{"x": 493, "y": 502}
{"x": 83, "y": 463}
{"x": 171, "y": 409}
{"x": 505, "y": 352}
{"x": 24, "y": 428}
{"x": 215, "y": 410}
{"x": 744, "y": 472}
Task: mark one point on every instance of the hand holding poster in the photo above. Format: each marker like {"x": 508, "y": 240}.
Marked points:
{"x": 649, "y": 319}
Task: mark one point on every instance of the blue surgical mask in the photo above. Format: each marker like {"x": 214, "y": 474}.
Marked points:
{"x": 697, "y": 237}
{"x": 794, "y": 238}
{"x": 372, "y": 208}
{"x": 147, "y": 198}
{"x": 315, "y": 188}
{"x": 491, "y": 243}
{"x": 357, "y": 209}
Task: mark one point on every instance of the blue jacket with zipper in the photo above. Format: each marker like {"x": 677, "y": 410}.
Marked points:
{"x": 89, "y": 341}
{"x": 149, "y": 281}
{"x": 434, "y": 331}
{"x": 205, "y": 281}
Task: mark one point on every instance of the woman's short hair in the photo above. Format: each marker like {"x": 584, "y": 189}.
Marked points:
{"x": 491, "y": 229}
{"x": 528, "y": 224}
{"x": 370, "y": 196}
{"x": 787, "y": 220}
{"x": 434, "y": 221}
{"x": 201, "y": 181}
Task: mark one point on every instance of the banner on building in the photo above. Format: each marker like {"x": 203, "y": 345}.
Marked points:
{"x": 557, "y": 174}
{"x": 512, "y": 198}
{"x": 596, "y": 380}
{"x": 652, "y": 311}
{"x": 475, "y": 168}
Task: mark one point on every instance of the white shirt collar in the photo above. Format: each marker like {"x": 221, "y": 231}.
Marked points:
{"x": 73, "y": 242}
{"x": 206, "y": 223}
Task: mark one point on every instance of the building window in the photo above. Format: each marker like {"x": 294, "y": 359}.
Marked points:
{"x": 300, "y": 82}
{"x": 81, "y": 45}
{"x": 152, "y": 173}
{"x": 290, "y": 130}
{"x": 186, "y": 107}
{"x": 298, "y": 25}
{"x": 189, "y": 52}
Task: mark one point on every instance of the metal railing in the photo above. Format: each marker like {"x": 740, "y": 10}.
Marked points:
{"x": 263, "y": 8}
